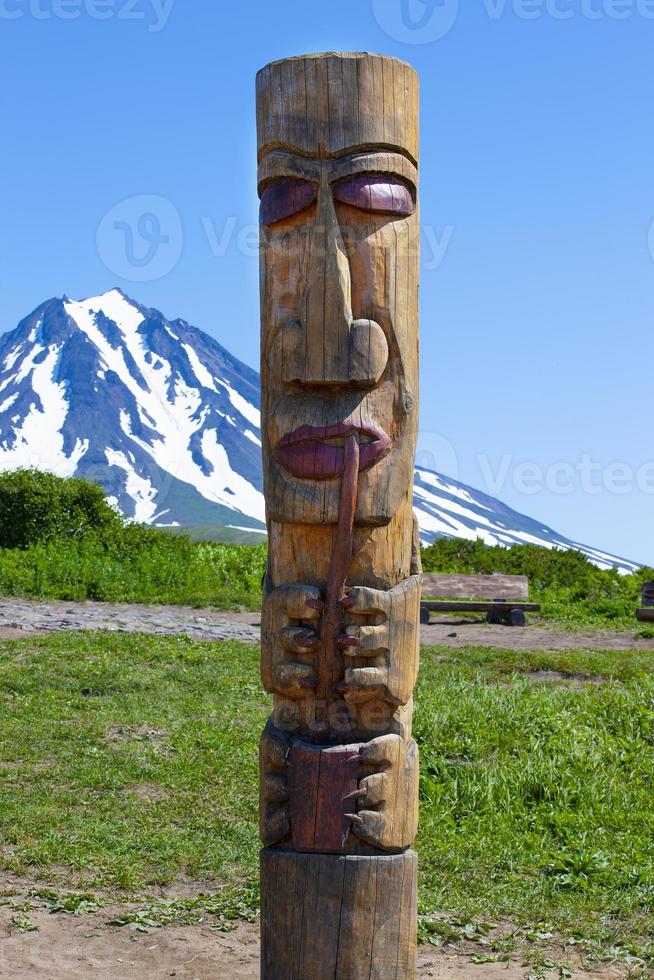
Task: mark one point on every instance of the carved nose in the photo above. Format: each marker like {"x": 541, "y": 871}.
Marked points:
{"x": 327, "y": 346}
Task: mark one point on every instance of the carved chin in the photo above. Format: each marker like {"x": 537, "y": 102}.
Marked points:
{"x": 382, "y": 488}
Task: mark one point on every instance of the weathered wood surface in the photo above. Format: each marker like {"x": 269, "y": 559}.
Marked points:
{"x": 351, "y": 917}
{"x": 340, "y": 234}
{"x": 451, "y": 605}
{"x": 646, "y": 615}
{"x": 475, "y": 586}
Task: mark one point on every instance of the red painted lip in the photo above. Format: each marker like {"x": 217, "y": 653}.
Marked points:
{"x": 307, "y": 454}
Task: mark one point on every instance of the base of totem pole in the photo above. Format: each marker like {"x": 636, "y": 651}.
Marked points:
{"x": 338, "y": 917}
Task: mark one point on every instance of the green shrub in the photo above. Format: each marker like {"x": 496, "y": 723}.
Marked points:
{"x": 569, "y": 587}
{"x": 60, "y": 539}
{"x": 37, "y": 506}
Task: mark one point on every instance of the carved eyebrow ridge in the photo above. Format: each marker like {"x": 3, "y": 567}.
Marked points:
{"x": 287, "y": 165}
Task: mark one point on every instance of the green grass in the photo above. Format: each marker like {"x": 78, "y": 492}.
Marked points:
{"x": 128, "y": 762}
{"x": 536, "y": 794}
{"x": 131, "y": 760}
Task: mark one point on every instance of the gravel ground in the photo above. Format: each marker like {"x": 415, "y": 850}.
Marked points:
{"x": 25, "y": 615}
{"x": 20, "y": 616}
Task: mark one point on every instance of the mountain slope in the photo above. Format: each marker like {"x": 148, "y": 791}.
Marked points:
{"x": 168, "y": 422}
{"x": 447, "y": 508}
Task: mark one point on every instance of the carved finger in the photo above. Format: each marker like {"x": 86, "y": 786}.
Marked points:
{"x": 298, "y": 639}
{"x": 364, "y": 684}
{"x": 369, "y": 602}
{"x": 275, "y": 788}
{"x": 274, "y": 748}
{"x": 371, "y": 826}
{"x": 371, "y": 640}
{"x": 294, "y": 679}
{"x": 301, "y": 602}
{"x": 275, "y": 825}
{"x": 375, "y": 787}
{"x": 383, "y": 752}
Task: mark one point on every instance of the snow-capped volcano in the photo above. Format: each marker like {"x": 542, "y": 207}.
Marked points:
{"x": 168, "y": 422}
{"x": 154, "y": 410}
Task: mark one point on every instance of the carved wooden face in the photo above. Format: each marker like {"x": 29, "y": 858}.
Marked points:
{"x": 339, "y": 282}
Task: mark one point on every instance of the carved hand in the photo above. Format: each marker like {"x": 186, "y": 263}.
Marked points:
{"x": 289, "y": 639}
{"x": 382, "y": 661}
{"x": 388, "y": 813}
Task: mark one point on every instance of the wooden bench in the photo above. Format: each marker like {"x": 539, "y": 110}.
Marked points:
{"x": 504, "y": 598}
{"x": 646, "y": 614}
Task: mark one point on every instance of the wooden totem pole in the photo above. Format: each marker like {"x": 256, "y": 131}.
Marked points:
{"x": 338, "y": 155}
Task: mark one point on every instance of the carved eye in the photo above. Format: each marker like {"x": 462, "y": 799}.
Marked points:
{"x": 381, "y": 193}
{"x": 285, "y": 197}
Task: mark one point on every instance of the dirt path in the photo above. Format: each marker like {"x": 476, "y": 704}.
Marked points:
{"x": 69, "y": 948}
{"x": 452, "y": 632}
{"x": 21, "y": 616}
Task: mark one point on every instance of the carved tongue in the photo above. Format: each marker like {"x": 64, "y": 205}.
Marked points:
{"x": 330, "y": 663}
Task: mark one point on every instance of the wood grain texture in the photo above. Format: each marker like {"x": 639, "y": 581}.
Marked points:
{"x": 323, "y": 786}
{"x": 340, "y": 241}
{"x": 337, "y": 101}
{"x": 452, "y": 605}
{"x": 475, "y": 586}
{"x": 338, "y": 918}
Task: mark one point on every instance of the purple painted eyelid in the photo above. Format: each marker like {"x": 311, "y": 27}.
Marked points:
{"x": 286, "y": 197}
{"x": 377, "y": 193}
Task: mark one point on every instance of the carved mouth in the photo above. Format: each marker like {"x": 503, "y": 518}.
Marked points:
{"x": 318, "y": 452}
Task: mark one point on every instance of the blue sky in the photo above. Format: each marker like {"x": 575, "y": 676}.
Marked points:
{"x": 537, "y": 203}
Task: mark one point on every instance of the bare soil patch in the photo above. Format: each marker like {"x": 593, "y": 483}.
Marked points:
{"x": 534, "y": 636}
{"x": 69, "y": 947}
{"x": 76, "y": 948}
